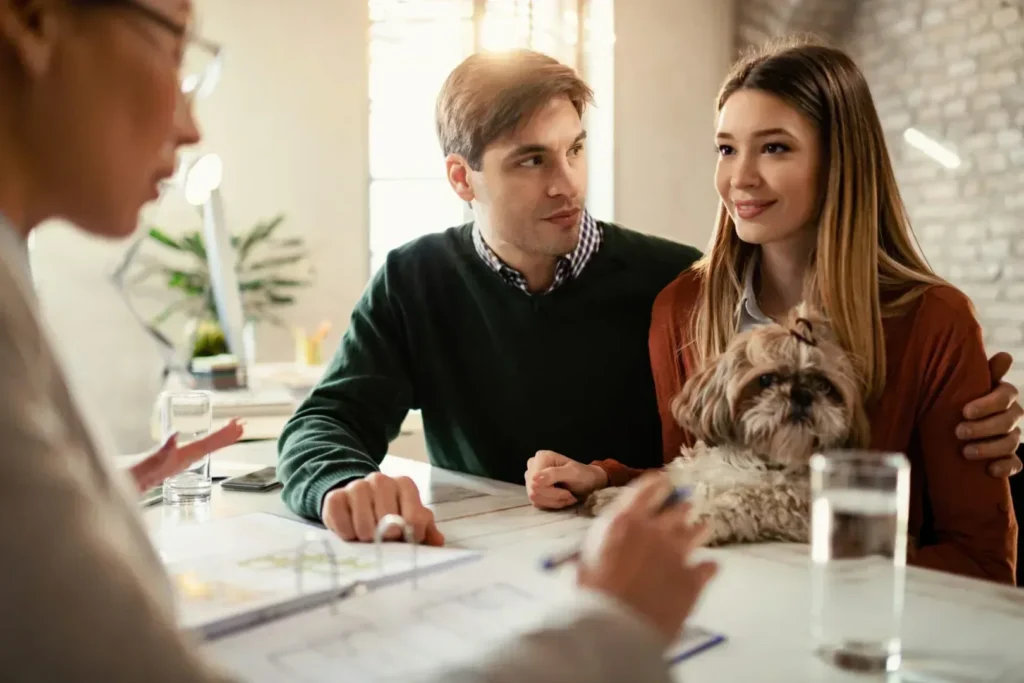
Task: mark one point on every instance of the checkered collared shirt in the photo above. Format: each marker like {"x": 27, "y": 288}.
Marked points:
{"x": 569, "y": 266}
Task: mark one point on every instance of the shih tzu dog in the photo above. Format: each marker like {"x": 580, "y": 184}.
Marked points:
{"x": 778, "y": 394}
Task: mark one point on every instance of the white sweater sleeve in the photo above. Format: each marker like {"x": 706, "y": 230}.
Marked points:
{"x": 81, "y": 596}
{"x": 597, "y": 641}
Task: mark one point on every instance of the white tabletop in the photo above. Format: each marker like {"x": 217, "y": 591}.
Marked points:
{"x": 760, "y": 600}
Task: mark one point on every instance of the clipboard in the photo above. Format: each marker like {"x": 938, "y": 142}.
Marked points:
{"x": 223, "y": 594}
{"x": 421, "y": 627}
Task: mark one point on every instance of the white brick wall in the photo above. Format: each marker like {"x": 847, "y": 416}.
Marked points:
{"x": 953, "y": 69}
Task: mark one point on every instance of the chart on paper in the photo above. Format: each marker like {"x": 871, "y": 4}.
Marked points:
{"x": 367, "y": 650}
{"x": 226, "y": 569}
{"x": 401, "y": 633}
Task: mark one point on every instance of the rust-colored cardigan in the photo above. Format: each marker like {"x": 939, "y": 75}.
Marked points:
{"x": 961, "y": 518}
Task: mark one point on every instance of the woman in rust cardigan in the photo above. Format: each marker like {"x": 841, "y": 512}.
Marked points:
{"x": 810, "y": 210}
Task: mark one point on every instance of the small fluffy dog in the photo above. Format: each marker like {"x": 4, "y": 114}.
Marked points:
{"x": 778, "y": 394}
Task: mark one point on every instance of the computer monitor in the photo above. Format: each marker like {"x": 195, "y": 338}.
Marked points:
{"x": 202, "y": 189}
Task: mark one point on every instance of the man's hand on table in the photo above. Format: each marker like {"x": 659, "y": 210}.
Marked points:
{"x": 554, "y": 481}
{"x": 353, "y": 511}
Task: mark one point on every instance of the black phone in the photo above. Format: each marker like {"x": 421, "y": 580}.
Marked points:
{"x": 260, "y": 480}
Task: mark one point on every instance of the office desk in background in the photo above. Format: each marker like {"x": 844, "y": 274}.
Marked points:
{"x": 275, "y": 391}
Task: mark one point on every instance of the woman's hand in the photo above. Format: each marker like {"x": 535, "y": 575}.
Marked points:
{"x": 554, "y": 481}
{"x": 644, "y": 559}
{"x": 170, "y": 459}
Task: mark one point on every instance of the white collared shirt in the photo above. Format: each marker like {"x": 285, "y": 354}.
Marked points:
{"x": 749, "y": 313}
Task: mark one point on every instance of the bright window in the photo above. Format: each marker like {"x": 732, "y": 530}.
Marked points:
{"x": 414, "y": 45}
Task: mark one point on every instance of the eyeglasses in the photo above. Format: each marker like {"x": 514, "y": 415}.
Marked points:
{"x": 201, "y": 61}
{"x": 200, "y": 67}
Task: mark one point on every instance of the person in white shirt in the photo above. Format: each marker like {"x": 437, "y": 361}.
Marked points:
{"x": 92, "y": 113}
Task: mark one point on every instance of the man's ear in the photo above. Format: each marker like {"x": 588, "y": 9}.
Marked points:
{"x": 29, "y": 29}
{"x": 457, "y": 169}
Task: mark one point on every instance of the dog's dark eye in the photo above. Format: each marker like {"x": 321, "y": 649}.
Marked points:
{"x": 767, "y": 380}
{"x": 822, "y": 386}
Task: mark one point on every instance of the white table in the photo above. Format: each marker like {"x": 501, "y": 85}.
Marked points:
{"x": 760, "y": 599}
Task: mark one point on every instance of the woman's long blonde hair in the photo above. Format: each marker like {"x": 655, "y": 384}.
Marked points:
{"x": 865, "y": 264}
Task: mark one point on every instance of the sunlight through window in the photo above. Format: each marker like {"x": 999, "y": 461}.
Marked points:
{"x": 414, "y": 44}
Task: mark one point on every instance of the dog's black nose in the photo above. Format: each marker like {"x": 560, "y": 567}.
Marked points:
{"x": 801, "y": 397}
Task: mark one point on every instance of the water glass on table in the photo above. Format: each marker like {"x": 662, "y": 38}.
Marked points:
{"x": 859, "y": 508}
{"x": 190, "y": 414}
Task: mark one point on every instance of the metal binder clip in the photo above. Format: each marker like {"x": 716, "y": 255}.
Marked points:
{"x": 300, "y": 564}
{"x": 386, "y": 522}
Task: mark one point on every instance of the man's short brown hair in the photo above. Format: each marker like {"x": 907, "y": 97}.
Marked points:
{"x": 488, "y": 94}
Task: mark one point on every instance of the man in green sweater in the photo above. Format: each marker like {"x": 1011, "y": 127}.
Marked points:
{"x": 523, "y": 330}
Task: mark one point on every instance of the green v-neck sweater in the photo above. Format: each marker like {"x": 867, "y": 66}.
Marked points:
{"x": 497, "y": 374}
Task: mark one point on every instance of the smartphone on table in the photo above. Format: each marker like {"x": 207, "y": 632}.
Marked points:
{"x": 261, "y": 480}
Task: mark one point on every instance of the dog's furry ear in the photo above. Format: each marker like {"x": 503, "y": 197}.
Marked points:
{"x": 860, "y": 426}
{"x": 807, "y": 323}
{"x": 702, "y": 407}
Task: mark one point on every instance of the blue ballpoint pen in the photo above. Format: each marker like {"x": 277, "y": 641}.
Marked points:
{"x": 555, "y": 561}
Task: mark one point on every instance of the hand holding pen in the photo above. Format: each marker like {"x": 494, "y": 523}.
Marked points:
{"x": 642, "y": 557}
{"x": 674, "y": 497}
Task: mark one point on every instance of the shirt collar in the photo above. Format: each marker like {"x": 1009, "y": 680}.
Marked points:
{"x": 15, "y": 248}
{"x": 749, "y": 313}
{"x": 590, "y": 239}
{"x": 569, "y": 266}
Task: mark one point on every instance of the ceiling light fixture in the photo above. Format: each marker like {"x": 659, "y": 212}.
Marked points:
{"x": 931, "y": 147}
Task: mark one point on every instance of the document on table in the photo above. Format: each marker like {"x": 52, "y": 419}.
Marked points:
{"x": 231, "y": 573}
{"x": 401, "y": 633}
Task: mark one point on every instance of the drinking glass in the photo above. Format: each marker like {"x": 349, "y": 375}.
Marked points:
{"x": 860, "y": 502}
{"x": 190, "y": 414}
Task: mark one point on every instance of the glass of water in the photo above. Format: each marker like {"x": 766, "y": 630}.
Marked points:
{"x": 860, "y": 502}
{"x": 190, "y": 414}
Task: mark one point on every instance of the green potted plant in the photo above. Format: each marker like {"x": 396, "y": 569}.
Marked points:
{"x": 266, "y": 267}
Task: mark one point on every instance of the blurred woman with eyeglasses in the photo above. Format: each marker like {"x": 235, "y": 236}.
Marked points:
{"x": 95, "y": 100}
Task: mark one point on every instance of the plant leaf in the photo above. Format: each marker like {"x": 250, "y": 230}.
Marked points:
{"x": 148, "y": 272}
{"x": 252, "y": 285}
{"x": 259, "y": 233}
{"x": 193, "y": 284}
{"x": 193, "y": 242}
{"x": 282, "y": 282}
{"x": 276, "y": 262}
{"x": 164, "y": 239}
{"x": 280, "y": 299}
{"x": 162, "y": 317}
